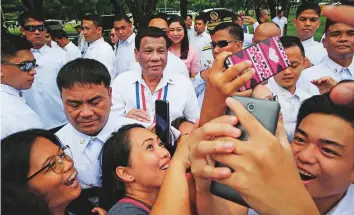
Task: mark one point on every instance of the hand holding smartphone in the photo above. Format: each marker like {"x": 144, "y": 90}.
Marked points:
{"x": 267, "y": 113}
{"x": 268, "y": 59}
{"x": 162, "y": 113}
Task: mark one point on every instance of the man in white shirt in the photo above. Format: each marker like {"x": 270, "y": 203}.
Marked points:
{"x": 43, "y": 97}
{"x": 337, "y": 66}
{"x": 17, "y": 73}
{"x": 124, "y": 52}
{"x": 81, "y": 42}
{"x": 174, "y": 63}
{"x": 61, "y": 38}
{"x": 281, "y": 20}
{"x": 190, "y": 26}
{"x": 98, "y": 49}
{"x": 114, "y": 39}
{"x": 134, "y": 93}
{"x": 201, "y": 38}
{"x": 247, "y": 37}
{"x": 283, "y": 84}
{"x": 306, "y": 23}
{"x": 86, "y": 94}
{"x": 263, "y": 17}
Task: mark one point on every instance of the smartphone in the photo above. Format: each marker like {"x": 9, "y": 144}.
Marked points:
{"x": 162, "y": 114}
{"x": 268, "y": 58}
{"x": 267, "y": 113}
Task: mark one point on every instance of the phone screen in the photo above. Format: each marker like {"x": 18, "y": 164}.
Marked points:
{"x": 268, "y": 58}
{"x": 163, "y": 121}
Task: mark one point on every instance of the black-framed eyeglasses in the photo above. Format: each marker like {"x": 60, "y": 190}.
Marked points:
{"x": 274, "y": 98}
{"x": 222, "y": 43}
{"x": 56, "y": 162}
{"x": 24, "y": 66}
{"x": 33, "y": 28}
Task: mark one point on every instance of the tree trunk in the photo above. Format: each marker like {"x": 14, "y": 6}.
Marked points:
{"x": 183, "y": 7}
{"x": 117, "y": 6}
{"x": 272, "y": 7}
{"x": 33, "y": 4}
{"x": 222, "y": 3}
{"x": 141, "y": 10}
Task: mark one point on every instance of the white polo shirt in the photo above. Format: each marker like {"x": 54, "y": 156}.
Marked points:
{"x": 44, "y": 96}
{"x": 87, "y": 150}
{"x": 101, "y": 51}
{"x": 289, "y": 104}
{"x": 247, "y": 40}
{"x": 130, "y": 91}
{"x": 72, "y": 51}
{"x": 326, "y": 68}
{"x": 314, "y": 51}
{"x": 200, "y": 41}
{"x": 124, "y": 53}
{"x": 282, "y": 21}
{"x": 16, "y": 115}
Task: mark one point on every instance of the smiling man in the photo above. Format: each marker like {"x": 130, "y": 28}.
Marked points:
{"x": 338, "y": 65}
{"x": 323, "y": 148}
{"x": 306, "y": 23}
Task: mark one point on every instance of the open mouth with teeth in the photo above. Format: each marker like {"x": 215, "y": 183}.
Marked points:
{"x": 72, "y": 180}
{"x": 306, "y": 176}
{"x": 164, "y": 167}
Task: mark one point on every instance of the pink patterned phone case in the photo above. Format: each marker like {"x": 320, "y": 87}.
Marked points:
{"x": 268, "y": 59}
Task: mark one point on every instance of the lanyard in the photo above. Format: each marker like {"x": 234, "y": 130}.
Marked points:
{"x": 136, "y": 203}
{"x": 137, "y": 91}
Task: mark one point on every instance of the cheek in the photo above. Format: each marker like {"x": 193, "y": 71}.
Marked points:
{"x": 47, "y": 186}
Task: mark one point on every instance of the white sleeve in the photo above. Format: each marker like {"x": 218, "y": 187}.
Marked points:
{"x": 107, "y": 58}
{"x": 118, "y": 104}
{"x": 192, "y": 110}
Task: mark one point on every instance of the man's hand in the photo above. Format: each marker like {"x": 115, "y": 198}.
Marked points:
{"x": 324, "y": 84}
{"x": 343, "y": 14}
{"x": 343, "y": 93}
{"x": 139, "y": 115}
{"x": 229, "y": 80}
{"x": 249, "y": 19}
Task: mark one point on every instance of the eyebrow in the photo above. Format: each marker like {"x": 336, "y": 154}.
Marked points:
{"x": 147, "y": 140}
{"x": 323, "y": 141}
{"x": 301, "y": 132}
{"x": 94, "y": 98}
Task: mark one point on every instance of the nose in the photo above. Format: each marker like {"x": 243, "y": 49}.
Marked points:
{"x": 163, "y": 153}
{"x": 155, "y": 56}
{"x": 307, "y": 22}
{"x": 307, "y": 155}
{"x": 287, "y": 71}
{"x": 86, "y": 111}
{"x": 32, "y": 71}
{"x": 67, "y": 165}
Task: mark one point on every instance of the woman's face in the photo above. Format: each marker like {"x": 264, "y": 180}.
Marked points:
{"x": 148, "y": 158}
{"x": 176, "y": 32}
{"x": 58, "y": 190}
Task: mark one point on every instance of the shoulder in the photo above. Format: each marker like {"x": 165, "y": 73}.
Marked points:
{"x": 124, "y": 79}
{"x": 66, "y": 131}
{"x": 313, "y": 70}
{"x": 126, "y": 209}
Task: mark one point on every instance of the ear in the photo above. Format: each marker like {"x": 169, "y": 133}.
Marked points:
{"x": 307, "y": 63}
{"x": 294, "y": 21}
{"x": 100, "y": 30}
{"x": 22, "y": 31}
{"x": 136, "y": 53}
{"x": 110, "y": 95}
{"x": 325, "y": 42}
{"x": 122, "y": 173}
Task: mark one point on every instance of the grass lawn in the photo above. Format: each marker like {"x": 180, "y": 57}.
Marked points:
{"x": 291, "y": 27}
{"x": 69, "y": 28}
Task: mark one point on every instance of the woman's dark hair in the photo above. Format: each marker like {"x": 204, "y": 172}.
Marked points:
{"x": 17, "y": 200}
{"x": 116, "y": 152}
{"x": 15, "y": 153}
{"x": 184, "y": 42}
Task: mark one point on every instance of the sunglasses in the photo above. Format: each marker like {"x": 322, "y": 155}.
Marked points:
{"x": 33, "y": 28}
{"x": 222, "y": 43}
{"x": 24, "y": 66}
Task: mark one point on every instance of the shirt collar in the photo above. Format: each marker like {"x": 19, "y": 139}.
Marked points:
{"x": 334, "y": 67}
{"x": 96, "y": 42}
{"x": 10, "y": 90}
{"x": 308, "y": 42}
{"x": 201, "y": 35}
{"x": 280, "y": 91}
{"x": 41, "y": 50}
{"x": 130, "y": 39}
{"x": 166, "y": 78}
{"x": 67, "y": 46}
{"x": 103, "y": 136}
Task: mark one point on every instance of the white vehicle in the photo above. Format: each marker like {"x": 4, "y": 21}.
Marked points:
{"x": 54, "y": 24}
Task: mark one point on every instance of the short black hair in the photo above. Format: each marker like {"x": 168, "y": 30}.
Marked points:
{"x": 328, "y": 24}
{"x": 16, "y": 153}
{"x": 11, "y": 44}
{"x": 83, "y": 71}
{"x": 235, "y": 17}
{"x": 150, "y": 32}
{"x": 280, "y": 11}
{"x": 308, "y": 6}
{"x": 234, "y": 29}
{"x": 190, "y": 16}
{"x": 96, "y": 19}
{"x": 122, "y": 16}
{"x": 324, "y": 105}
{"x": 201, "y": 17}
{"x": 158, "y": 16}
{"x": 59, "y": 34}
{"x": 36, "y": 15}
{"x": 115, "y": 153}
{"x": 292, "y": 41}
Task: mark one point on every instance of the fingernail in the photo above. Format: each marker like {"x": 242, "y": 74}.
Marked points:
{"x": 228, "y": 146}
{"x": 249, "y": 63}
{"x": 225, "y": 171}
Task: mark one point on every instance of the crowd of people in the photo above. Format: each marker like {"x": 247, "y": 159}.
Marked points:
{"x": 78, "y": 122}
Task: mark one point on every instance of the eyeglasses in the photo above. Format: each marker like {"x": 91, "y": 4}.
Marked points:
{"x": 24, "y": 66}
{"x": 222, "y": 43}
{"x": 56, "y": 162}
{"x": 33, "y": 28}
